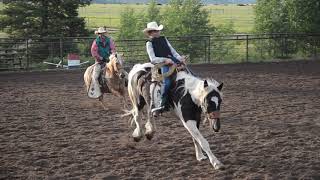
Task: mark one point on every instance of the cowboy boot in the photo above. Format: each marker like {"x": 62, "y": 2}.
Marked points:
{"x": 95, "y": 87}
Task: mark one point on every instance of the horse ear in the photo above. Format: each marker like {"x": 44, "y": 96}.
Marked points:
{"x": 220, "y": 86}
{"x": 205, "y": 84}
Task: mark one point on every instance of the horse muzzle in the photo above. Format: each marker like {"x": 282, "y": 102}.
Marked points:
{"x": 214, "y": 120}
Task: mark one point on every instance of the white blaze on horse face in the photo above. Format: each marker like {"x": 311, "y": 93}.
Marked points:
{"x": 215, "y": 100}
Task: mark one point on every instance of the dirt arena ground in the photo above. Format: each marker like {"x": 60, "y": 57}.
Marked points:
{"x": 49, "y": 129}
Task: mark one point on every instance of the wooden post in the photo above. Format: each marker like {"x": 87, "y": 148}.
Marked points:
{"x": 209, "y": 53}
{"x": 247, "y": 47}
{"x": 61, "y": 50}
{"x": 27, "y": 53}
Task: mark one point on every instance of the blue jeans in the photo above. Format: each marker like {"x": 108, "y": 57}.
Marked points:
{"x": 166, "y": 82}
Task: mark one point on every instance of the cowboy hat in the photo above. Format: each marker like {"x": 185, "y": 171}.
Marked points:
{"x": 153, "y": 26}
{"x": 100, "y": 30}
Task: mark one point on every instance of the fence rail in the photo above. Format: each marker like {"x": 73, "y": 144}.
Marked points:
{"x": 31, "y": 53}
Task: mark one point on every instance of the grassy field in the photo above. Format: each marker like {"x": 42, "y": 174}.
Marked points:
{"x": 109, "y": 15}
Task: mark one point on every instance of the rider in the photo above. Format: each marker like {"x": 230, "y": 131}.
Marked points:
{"x": 102, "y": 47}
{"x": 160, "y": 51}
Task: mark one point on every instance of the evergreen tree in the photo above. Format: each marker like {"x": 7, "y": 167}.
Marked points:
{"x": 41, "y": 18}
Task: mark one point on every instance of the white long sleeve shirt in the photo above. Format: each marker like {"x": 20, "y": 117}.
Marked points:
{"x": 155, "y": 59}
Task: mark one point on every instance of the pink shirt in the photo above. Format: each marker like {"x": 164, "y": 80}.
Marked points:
{"x": 94, "y": 49}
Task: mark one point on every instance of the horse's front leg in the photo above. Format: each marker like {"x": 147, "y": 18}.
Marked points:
{"x": 191, "y": 126}
{"x": 199, "y": 154}
{"x": 101, "y": 102}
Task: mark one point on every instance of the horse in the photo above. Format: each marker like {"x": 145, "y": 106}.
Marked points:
{"x": 190, "y": 97}
{"x": 113, "y": 79}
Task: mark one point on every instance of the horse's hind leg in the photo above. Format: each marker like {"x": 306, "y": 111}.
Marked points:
{"x": 150, "y": 129}
{"x": 191, "y": 126}
{"x": 137, "y": 131}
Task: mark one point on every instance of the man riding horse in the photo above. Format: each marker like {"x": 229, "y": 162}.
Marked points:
{"x": 160, "y": 51}
{"x": 102, "y": 47}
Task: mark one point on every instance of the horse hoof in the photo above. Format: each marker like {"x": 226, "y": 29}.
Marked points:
{"x": 149, "y": 136}
{"x": 137, "y": 139}
{"x": 216, "y": 125}
{"x": 219, "y": 166}
{"x": 202, "y": 158}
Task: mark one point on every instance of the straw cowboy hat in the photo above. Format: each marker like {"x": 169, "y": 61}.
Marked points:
{"x": 153, "y": 26}
{"x": 100, "y": 30}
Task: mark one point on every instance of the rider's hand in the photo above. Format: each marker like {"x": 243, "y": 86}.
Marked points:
{"x": 168, "y": 61}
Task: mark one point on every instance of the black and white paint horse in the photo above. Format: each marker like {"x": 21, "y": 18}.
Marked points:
{"x": 191, "y": 97}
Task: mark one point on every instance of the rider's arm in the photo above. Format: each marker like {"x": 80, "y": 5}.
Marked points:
{"x": 152, "y": 56}
{"x": 94, "y": 51}
{"x": 173, "y": 51}
{"x": 112, "y": 46}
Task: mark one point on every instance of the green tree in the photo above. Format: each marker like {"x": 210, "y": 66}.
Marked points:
{"x": 187, "y": 19}
{"x": 42, "y": 18}
{"x": 274, "y": 16}
{"x": 130, "y": 24}
{"x": 271, "y": 16}
{"x": 153, "y": 12}
{"x": 287, "y": 16}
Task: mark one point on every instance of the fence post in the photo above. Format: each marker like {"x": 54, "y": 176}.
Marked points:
{"x": 61, "y": 50}
{"x": 205, "y": 50}
{"x": 247, "y": 47}
{"x": 316, "y": 47}
{"x": 27, "y": 53}
{"x": 209, "y": 47}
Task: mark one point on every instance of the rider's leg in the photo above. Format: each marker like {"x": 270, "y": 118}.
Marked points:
{"x": 164, "y": 91}
{"x": 96, "y": 91}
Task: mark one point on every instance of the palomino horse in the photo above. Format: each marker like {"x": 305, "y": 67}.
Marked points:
{"x": 113, "y": 78}
{"x": 190, "y": 97}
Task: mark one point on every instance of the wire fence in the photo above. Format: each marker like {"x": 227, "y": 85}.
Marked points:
{"x": 31, "y": 53}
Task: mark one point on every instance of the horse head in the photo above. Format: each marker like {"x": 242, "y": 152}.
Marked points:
{"x": 115, "y": 66}
{"x": 211, "y": 103}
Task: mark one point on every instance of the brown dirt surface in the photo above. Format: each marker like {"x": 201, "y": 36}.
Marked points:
{"x": 270, "y": 128}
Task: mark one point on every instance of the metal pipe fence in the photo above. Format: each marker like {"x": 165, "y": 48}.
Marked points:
{"x": 235, "y": 48}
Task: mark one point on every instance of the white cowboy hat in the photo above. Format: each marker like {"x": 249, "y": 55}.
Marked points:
{"x": 153, "y": 26}
{"x": 100, "y": 30}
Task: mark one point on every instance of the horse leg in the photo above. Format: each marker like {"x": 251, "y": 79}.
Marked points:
{"x": 137, "y": 131}
{"x": 199, "y": 154}
{"x": 149, "y": 125}
{"x": 101, "y": 102}
{"x": 191, "y": 126}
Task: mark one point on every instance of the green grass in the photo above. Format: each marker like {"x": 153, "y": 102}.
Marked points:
{"x": 241, "y": 16}
{"x": 109, "y": 15}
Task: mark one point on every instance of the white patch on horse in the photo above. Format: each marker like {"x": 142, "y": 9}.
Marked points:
{"x": 195, "y": 87}
{"x": 215, "y": 100}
